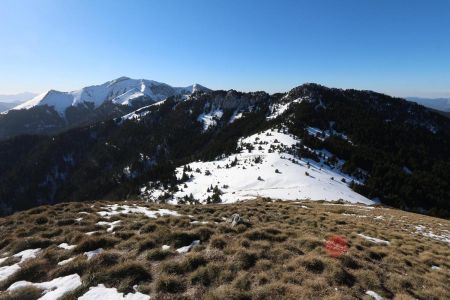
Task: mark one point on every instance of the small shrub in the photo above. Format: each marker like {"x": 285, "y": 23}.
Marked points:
{"x": 30, "y": 243}
{"x": 79, "y": 266}
{"x": 93, "y": 243}
{"x": 314, "y": 265}
{"x": 158, "y": 254}
{"x": 246, "y": 259}
{"x": 218, "y": 243}
{"x": 148, "y": 243}
{"x": 40, "y": 220}
{"x": 65, "y": 222}
{"x": 147, "y": 228}
{"x": 188, "y": 264}
{"x": 228, "y": 292}
{"x": 269, "y": 234}
{"x": 170, "y": 284}
{"x": 182, "y": 238}
{"x": 206, "y": 275}
{"x": 131, "y": 272}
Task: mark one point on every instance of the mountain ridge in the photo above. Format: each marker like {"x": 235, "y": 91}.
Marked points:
{"x": 334, "y": 129}
{"x": 54, "y": 111}
{"x": 119, "y": 91}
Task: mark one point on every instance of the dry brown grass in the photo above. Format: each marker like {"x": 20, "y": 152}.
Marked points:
{"x": 279, "y": 253}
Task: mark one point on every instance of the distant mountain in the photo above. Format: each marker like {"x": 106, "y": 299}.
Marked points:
{"x": 224, "y": 146}
{"x": 442, "y": 104}
{"x": 55, "y": 111}
{"x": 17, "y": 98}
{"x": 4, "y": 106}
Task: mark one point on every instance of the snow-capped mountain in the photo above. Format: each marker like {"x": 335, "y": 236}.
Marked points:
{"x": 121, "y": 91}
{"x": 55, "y": 111}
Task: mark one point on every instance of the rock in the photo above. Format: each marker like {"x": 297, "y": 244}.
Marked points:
{"x": 235, "y": 220}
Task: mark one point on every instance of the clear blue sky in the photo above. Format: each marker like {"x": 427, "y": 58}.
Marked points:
{"x": 397, "y": 47}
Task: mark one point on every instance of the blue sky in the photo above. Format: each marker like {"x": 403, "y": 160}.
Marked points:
{"x": 397, "y": 47}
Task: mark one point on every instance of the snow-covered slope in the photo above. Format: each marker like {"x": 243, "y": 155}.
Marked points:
{"x": 267, "y": 171}
{"x": 119, "y": 91}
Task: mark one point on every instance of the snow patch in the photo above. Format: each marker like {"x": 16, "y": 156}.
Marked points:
{"x": 93, "y": 253}
{"x": 66, "y": 261}
{"x": 374, "y": 295}
{"x": 116, "y": 209}
{"x": 53, "y": 289}
{"x": 188, "y": 248}
{"x": 374, "y": 240}
{"x": 27, "y": 254}
{"x": 66, "y": 246}
{"x": 7, "y": 271}
{"x": 443, "y": 237}
{"x": 100, "y": 292}
{"x": 111, "y": 225}
{"x": 210, "y": 119}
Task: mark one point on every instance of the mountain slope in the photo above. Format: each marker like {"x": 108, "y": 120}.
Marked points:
{"x": 389, "y": 149}
{"x": 54, "y": 111}
{"x": 266, "y": 166}
{"x": 270, "y": 250}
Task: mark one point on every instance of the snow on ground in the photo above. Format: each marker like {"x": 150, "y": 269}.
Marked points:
{"x": 210, "y": 119}
{"x": 277, "y": 109}
{"x": 323, "y": 134}
{"x": 165, "y": 247}
{"x": 66, "y": 246}
{"x": 91, "y": 254}
{"x": 443, "y": 237}
{"x": 374, "y": 295}
{"x": 138, "y": 114}
{"x": 199, "y": 222}
{"x": 27, "y": 254}
{"x": 111, "y": 225}
{"x": 7, "y": 271}
{"x": 188, "y": 248}
{"x": 66, "y": 261}
{"x": 374, "y": 240}
{"x": 53, "y": 289}
{"x": 3, "y": 259}
{"x": 266, "y": 171}
{"x": 116, "y": 209}
{"x": 100, "y": 292}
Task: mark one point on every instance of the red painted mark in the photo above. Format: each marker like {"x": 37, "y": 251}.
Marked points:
{"x": 336, "y": 245}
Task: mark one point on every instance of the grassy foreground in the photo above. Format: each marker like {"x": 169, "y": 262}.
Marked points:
{"x": 277, "y": 252}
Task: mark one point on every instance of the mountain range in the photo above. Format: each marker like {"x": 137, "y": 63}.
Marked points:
{"x": 54, "y": 111}
{"x": 194, "y": 145}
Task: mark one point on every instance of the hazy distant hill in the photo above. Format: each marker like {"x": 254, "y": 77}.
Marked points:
{"x": 17, "y": 98}
{"x": 4, "y": 106}
{"x": 442, "y": 104}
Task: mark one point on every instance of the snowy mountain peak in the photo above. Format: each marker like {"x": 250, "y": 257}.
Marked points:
{"x": 122, "y": 91}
